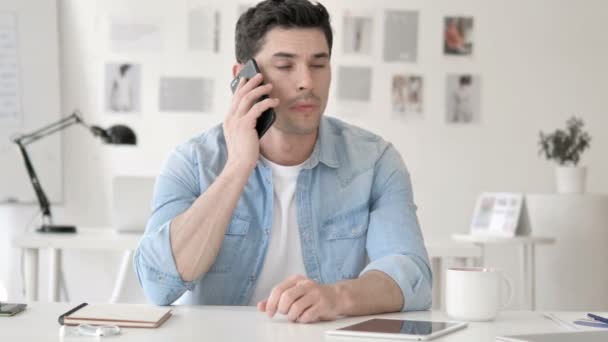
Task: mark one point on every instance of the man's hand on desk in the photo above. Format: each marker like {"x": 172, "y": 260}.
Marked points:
{"x": 303, "y": 300}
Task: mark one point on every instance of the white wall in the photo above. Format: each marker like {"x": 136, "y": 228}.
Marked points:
{"x": 540, "y": 62}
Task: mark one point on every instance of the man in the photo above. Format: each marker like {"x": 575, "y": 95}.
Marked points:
{"x": 285, "y": 222}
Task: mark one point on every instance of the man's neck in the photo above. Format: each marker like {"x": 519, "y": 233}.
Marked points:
{"x": 287, "y": 149}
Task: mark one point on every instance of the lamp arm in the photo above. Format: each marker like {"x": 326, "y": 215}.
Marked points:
{"x": 29, "y": 138}
{"x": 40, "y": 133}
{"x": 42, "y": 199}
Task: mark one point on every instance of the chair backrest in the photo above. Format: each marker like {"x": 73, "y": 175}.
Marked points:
{"x": 131, "y": 202}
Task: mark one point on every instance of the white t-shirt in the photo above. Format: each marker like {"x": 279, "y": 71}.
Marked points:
{"x": 284, "y": 254}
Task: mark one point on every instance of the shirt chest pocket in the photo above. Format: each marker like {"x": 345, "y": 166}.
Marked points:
{"x": 233, "y": 241}
{"x": 345, "y": 236}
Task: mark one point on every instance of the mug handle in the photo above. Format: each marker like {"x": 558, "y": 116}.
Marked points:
{"x": 510, "y": 287}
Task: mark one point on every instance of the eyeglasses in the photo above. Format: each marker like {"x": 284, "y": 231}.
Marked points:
{"x": 98, "y": 330}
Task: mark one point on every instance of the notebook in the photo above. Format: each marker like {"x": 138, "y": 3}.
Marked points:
{"x": 587, "y": 336}
{"x": 123, "y": 315}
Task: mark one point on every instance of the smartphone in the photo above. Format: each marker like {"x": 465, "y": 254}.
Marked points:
{"x": 11, "y": 309}
{"x": 267, "y": 118}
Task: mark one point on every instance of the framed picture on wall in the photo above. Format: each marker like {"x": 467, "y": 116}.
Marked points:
{"x": 458, "y": 36}
{"x": 406, "y": 95}
{"x": 497, "y": 214}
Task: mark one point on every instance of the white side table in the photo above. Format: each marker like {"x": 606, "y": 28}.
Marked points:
{"x": 85, "y": 239}
{"x": 528, "y": 262}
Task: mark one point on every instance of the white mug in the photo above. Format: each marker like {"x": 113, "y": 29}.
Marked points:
{"x": 475, "y": 293}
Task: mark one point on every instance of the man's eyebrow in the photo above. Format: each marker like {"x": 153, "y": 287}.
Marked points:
{"x": 284, "y": 55}
{"x": 293, "y": 55}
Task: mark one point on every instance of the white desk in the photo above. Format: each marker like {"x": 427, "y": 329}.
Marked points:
{"x": 222, "y": 323}
{"x": 528, "y": 261}
{"x": 107, "y": 239}
{"x": 87, "y": 239}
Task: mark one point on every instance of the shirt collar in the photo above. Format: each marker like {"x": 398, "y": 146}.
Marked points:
{"x": 324, "y": 150}
{"x": 325, "y": 147}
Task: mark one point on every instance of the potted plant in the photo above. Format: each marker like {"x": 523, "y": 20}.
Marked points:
{"x": 566, "y": 147}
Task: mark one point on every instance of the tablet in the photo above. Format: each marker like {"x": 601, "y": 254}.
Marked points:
{"x": 396, "y": 329}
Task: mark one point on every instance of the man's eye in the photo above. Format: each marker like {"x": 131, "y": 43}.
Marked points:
{"x": 319, "y": 66}
{"x": 284, "y": 67}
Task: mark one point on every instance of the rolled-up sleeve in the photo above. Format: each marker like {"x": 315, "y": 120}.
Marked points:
{"x": 176, "y": 188}
{"x": 395, "y": 245}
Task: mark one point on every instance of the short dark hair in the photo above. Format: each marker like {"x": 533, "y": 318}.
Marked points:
{"x": 266, "y": 15}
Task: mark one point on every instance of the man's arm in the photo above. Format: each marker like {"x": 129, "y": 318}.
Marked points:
{"x": 305, "y": 301}
{"x": 197, "y": 234}
{"x": 398, "y": 276}
{"x": 186, "y": 230}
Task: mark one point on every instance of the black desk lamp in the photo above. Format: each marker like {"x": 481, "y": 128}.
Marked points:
{"x": 118, "y": 134}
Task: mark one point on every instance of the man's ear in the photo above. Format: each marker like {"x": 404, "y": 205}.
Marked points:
{"x": 236, "y": 68}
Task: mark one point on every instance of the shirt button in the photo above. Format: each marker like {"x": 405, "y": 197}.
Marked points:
{"x": 251, "y": 278}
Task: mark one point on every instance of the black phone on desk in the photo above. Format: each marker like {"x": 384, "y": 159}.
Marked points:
{"x": 11, "y": 309}
{"x": 267, "y": 118}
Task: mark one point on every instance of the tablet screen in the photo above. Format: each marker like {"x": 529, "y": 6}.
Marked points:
{"x": 395, "y": 326}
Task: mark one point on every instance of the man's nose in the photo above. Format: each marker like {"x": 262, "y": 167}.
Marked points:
{"x": 304, "y": 78}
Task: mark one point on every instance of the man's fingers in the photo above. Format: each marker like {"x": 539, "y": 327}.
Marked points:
{"x": 290, "y": 296}
{"x": 260, "y": 108}
{"x": 249, "y": 99}
{"x": 297, "y": 308}
{"x": 310, "y": 315}
{"x": 248, "y": 85}
{"x": 277, "y": 291}
{"x": 262, "y": 305}
{"x": 234, "y": 105}
{"x": 244, "y": 86}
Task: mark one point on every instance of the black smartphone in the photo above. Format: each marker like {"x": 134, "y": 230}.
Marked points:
{"x": 11, "y": 309}
{"x": 267, "y": 118}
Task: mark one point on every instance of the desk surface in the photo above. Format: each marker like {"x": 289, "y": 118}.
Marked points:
{"x": 108, "y": 239}
{"x": 489, "y": 239}
{"x": 85, "y": 238}
{"x": 224, "y": 323}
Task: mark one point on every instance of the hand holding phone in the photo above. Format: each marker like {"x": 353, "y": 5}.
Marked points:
{"x": 243, "y": 126}
{"x": 267, "y": 118}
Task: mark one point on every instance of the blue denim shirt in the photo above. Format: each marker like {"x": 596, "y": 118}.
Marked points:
{"x": 355, "y": 214}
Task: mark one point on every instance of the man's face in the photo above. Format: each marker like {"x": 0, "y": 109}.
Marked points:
{"x": 296, "y": 61}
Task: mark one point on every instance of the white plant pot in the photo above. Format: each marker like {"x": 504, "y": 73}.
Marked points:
{"x": 570, "y": 179}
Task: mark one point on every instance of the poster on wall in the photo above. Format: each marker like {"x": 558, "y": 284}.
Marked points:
{"x": 185, "y": 94}
{"x": 401, "y": 36}
{"x": 406, "y": 95}
{"x": 458, "y": 36}
{"x": 133, "y": 33}
{"x": 10, "y": 76}
{"x": 122, "y": 87}
{"x": 463, "y": 102}
{"x": 204, "y": 29}
{"x": 357, "y": 34}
